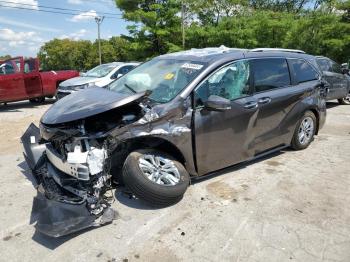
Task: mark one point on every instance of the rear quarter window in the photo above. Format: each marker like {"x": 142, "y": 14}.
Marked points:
{"x": 303, "y": 71}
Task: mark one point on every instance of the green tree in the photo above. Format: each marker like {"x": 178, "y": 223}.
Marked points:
{"x": 63, "y": 54}
{"x": 321, "y": 34}
{"x": 156, "y": 28}
{"x": 316, "y": 26}
{"x": 60, "y": 54}
{"x": 4, "y": 57}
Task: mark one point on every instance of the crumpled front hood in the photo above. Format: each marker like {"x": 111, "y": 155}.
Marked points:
{"x": 85, "y": 103}
{"x": 79, "y": 80}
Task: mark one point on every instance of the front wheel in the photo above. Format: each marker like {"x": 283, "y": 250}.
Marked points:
{"x": 304, "y": 132}
{"x": 345, "y": 100}
{"x": 155, "y": 177}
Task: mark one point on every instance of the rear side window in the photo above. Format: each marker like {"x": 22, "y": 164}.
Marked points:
{"x": 303, "y": 71}
{"x": 29, "y": 66}
{"x": 336, "y": 68}
{"x": 270, "y": 73}
{"x": 323, "y": 64}
{"x": 125, "y": 69}
{"x": 122, "y": 71}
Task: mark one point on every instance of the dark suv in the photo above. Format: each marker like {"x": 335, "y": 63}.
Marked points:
{"x": 338, "y": 79}
{"x": 177, "y": 116}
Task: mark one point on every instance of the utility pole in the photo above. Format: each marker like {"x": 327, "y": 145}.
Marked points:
{"x": 183, "y": 24}
{"x": 99, "y": 20}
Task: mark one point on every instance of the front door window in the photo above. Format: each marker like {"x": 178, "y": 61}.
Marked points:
{"x": 230, "y": 82}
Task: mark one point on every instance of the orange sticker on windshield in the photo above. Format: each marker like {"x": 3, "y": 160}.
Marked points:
{"x": 169, "y": 76}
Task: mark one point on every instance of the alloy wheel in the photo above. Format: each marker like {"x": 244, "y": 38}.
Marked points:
{"x": 159, "y": 170}
{"x": 306, "y": 130}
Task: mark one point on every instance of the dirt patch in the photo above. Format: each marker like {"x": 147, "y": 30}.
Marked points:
{"x": 156, "y": 254}
{"x": 175, "y": 224}
{"x": 270, "y": 171}
{"x": 221, "y": 190}
{"x": 274, "y": 163}
{"x": 11, "y": 135}
{"x": 244, "y": 186}
{"x": 7, "y": 238}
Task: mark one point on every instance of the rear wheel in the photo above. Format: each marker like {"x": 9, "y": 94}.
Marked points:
{"x": 304, "y": 132}
{"x": 155, "y": 177}
{"x": 345, "y": 100}
{"x": 37, "y": 100}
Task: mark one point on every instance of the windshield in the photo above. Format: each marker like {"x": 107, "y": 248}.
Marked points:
{"x": 100, "y": 71}
{"x": 164, "y": 78}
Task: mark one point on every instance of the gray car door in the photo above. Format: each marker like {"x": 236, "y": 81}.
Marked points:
{"x": 223, "y": 138}
{"x": 275, "y": 97}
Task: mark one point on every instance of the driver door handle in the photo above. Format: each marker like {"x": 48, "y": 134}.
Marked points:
{"x": 251, "y": 105}
{"x": 264, "y": 100}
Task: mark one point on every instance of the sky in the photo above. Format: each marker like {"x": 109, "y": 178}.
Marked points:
{"x": 22, "y": 32}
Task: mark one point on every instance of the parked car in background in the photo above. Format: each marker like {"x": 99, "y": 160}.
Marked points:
{"x": 178, "y": 115}
{"x": 100, "y": 76}
{"x": 345, "y": 66}
{"x": 20, "y": 79}
{"x": 338, "y": 79}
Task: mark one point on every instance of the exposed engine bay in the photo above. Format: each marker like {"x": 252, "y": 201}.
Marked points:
{"x": 77, "y": 163}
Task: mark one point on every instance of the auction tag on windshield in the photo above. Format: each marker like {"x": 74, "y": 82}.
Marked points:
{"x": 169, "y": 76}
{"x": 192, "y": 66}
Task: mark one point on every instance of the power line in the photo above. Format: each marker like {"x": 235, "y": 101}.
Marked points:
{"x": 55, "y": 12}
{"x": 57, "y": 8}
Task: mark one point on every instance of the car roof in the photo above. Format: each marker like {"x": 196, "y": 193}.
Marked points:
{"x": 211, "y": 54}
{"x": 113, "y": 64}
{"x": 321, "y": 56}
{"x": 205, "y": 54}
{"x": 120, "y": 63}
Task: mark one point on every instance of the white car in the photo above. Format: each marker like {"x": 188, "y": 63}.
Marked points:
{"x": 100, "y": 76}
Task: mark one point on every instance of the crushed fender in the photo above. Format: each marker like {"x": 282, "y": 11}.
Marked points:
{"x": 75, "y": 162}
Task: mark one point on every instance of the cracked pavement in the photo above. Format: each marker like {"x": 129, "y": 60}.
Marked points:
{"x": 289, "y": 206}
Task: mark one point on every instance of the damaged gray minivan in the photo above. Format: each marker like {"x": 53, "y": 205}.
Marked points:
{"x": 174, "y": 117}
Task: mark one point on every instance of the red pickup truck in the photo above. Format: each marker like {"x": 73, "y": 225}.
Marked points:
{"x": 20, "y": 79}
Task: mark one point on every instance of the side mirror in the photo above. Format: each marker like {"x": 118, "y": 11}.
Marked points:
{"x": 345, "y": 71}
{"x": 217, "y": 103}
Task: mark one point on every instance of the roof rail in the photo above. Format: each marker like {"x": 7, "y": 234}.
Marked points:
{"x": 277, "y": 50}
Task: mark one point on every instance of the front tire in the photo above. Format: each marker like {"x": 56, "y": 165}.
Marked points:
{"x": 155, "y": 177}
{"x": 304, "y": 132}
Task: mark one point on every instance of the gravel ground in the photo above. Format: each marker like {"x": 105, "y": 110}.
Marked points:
{"x": 290, "y": 206}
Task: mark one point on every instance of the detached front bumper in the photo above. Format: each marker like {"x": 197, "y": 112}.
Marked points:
{"x": 63, "y": 204}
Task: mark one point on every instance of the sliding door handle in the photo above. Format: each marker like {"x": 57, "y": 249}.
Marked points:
{"x": 251, "y": 105}
{"x": 264, "y": 100}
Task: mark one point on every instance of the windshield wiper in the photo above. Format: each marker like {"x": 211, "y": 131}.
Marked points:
{"x": 131, "y": 89}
